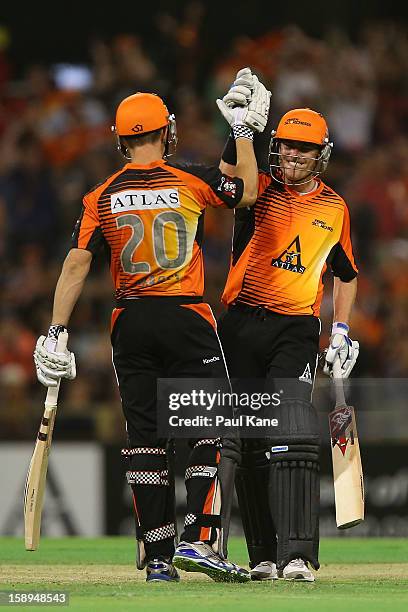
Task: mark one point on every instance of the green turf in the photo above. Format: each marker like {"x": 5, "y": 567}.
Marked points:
{"x": 357, "y": 574}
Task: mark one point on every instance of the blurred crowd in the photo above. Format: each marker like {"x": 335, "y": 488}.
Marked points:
{"x": 56, "y": 144}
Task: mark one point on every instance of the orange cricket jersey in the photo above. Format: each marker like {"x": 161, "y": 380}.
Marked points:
{"x": 150, "y": 220}
{"x": 282, "y": 246}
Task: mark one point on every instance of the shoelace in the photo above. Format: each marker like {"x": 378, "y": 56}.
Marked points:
{"x": 266, "y": 563}
{"x": 298, "y": 563}
{"x": 209, "y": 553}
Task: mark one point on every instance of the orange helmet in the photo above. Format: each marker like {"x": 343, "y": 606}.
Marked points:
{"x": 141, "y": 113}
{"x": 301, "y": 125}
{"x": 304, "y": 125}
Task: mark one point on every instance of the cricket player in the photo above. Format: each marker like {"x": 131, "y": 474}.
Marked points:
{"x": 148, "y": 218}
{"x": 282, "y": 247}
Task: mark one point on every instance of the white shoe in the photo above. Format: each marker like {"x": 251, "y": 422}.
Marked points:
{"x": 265, "y": 570}
{"x": 297, "y": 570}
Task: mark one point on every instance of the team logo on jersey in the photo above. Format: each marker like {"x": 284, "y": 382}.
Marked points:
{"x": 307, "y": 375}
{"x": 322, "y": 224}
{"x": 227, "y": 187}
{"x": 144, "y": 200}
{"x": 290, "y": 258}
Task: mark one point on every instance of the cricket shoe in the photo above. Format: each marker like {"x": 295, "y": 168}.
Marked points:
{"x": 265, "y": 570}
{"x": 297, "y": 570}
{"x": 200, "y": 557}
{"x": 160, "y": 570}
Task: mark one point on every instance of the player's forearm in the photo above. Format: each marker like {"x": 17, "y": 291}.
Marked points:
{"x": 70, "y": 283}
{"x": 247, "y": 170}
{"x": 344, "y": 295}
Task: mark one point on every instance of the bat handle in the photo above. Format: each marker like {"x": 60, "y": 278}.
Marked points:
{"x": 52, "y": 393}
{"x": 338, "y": 384}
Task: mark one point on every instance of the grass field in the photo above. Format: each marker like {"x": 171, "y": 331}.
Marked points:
{"x": 99, "y": 574}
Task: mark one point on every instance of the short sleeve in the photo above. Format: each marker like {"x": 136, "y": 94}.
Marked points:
{"x": 213, "y": 187}
{"x": 341, "y": 258}
{"x": 87, "y": 233}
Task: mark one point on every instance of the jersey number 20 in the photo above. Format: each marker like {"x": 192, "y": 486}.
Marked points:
{"x": 159, "y": 247}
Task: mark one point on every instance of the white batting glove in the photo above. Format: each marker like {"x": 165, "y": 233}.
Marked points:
{"x": 240, "y": 92}
{"x": 342, "y": 347}
{"x": 51, "y": 366}
{"x": 254, "y": 116}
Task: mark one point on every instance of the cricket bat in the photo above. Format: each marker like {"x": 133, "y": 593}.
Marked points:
{"x": 37, "y": 471}
{"x": 347, "y": 468}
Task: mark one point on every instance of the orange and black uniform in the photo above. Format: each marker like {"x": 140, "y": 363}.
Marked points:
{"x": 149, "y": 220}
{"x": 282, "y": 247}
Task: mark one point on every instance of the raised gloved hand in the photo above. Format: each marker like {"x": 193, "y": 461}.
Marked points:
{"x": 240, "y": 92}
{"x": 51, "y": 365}
{"x": 342, "y": 347}
{"x": 253, "y": 116}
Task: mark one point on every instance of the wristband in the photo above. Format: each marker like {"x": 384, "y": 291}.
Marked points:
{"x": 242, "y": 131}
{"x": 340, "y": 328}
{"x": 55, "y": 330}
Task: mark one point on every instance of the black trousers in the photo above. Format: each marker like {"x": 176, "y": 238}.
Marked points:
{"x": 160, "y": 337}
{"x": 282, "y": 349}
{"x": 165, "y": 338}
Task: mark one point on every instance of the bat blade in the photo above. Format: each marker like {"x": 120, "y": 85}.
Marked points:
{"x": 37, "y": 471}
{"x": 347, "y": 468}
{"x": 35, "y": 482}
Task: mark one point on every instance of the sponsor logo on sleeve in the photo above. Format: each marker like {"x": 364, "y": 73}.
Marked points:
{"x": 227, "y": 187}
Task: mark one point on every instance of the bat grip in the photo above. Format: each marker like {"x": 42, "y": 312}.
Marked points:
{"x": 338, "y": 384}
{"x": 52, "y": 393}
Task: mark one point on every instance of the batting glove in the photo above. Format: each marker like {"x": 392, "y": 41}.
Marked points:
{"x": 342, "y": 347}
{"x": 254, "y": 116}
{"x": 240, "y": 92}
{"x": 50, "y": 365}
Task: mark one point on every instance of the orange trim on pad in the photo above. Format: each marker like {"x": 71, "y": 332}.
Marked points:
{"x": 205, "y": 532}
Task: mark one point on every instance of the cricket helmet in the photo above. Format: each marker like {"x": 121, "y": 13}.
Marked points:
{"x": 301, "y": 125}
{"x": 142, "y": 113}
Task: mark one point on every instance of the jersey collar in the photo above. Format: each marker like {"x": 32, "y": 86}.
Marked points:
{"x": 154, "y": 164}
{"x": 311, "y": 194}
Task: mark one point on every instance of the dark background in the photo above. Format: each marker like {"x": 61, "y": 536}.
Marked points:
{"x": 53, "y": 32}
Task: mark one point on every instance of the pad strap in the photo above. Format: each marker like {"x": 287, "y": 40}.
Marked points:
{"x": 160, "y": 533}
{"x": 154, "y": 477}
{"x": 203, "y": 520}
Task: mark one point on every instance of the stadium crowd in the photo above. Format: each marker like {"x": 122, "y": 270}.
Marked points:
{"x": 56, "y": 144}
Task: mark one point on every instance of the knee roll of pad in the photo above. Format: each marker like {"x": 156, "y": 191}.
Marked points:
{"x": 294, "y": 484}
